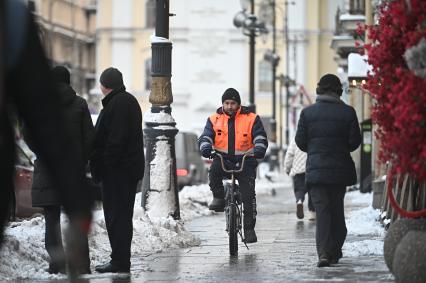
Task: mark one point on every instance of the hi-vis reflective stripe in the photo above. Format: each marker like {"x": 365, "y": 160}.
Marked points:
{"x": 260, "y": 145}
{"x": 259, "y": 138}
{"x": 210, "y": 140}
{"x": 222, "y": 150}
{"x": 237, "y": 152}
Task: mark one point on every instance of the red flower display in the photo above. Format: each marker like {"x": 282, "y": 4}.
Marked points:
{"x": 399, "y": 95}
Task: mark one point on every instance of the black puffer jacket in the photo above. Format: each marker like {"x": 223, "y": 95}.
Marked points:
{"x": 82, "y": 130}
{"x": 328, "y": 131}
{"x": 118, "y": 145}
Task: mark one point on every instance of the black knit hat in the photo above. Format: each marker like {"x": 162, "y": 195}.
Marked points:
{"x": 231, "y": 94}
{"x": 111, "y": 78}
{"x": 61, "y": 74}
{"x": 329, "y": 83}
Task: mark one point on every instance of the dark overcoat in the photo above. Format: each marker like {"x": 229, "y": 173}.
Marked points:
{"x": 118, "y": 143}
{"x": 328, "y": 131}
{"x": 81, "y": 128}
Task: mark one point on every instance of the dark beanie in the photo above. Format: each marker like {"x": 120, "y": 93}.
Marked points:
{"x": 61, "y": 74}
{"x": 111, "y": 78}
{"x": 329, "y": 83}
{"x": 231, "y": 94}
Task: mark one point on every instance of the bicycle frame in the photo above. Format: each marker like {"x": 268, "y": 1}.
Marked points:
{"x": 233, "y": 208}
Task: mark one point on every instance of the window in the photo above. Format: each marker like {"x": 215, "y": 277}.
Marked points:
{"x": 357, "y": 7}
{"x": 265, "y": 76}
{"x": 150, "y": 13}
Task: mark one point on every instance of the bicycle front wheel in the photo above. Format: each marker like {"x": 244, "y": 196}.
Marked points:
{"x": 233, "y": 230}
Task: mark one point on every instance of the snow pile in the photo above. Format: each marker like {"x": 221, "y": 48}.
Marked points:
{"x": 365, "y": 234}
{"x": 193, "y": 201}
{"x": 149, "y": 234}
{"x": 357, "y": 198}
{"x": 373, "y": 247}
{"x": 160, "y": 117}
{"x": 364, "y": 222}
{"x": 161, "y": 200}
{"x": 23, "y": 254}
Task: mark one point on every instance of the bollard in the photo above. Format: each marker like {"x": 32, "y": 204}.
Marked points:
{"x": 409, "y": 264}
{"x": 396, "y": 232}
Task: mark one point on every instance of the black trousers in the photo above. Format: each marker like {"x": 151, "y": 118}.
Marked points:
{"x": 53, "y": 240}
{"x": 118, "y": 194}
{"x": 246, "y": 180}
{"x": 330, "y": 219}
{"x": 53, "y": 236}
{"x": 300, "y": 190}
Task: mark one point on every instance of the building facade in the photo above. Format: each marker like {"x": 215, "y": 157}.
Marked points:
{"x": 310, "y": 30}
{"x": 67, "y": 30}
{"x": 210, "y": 54}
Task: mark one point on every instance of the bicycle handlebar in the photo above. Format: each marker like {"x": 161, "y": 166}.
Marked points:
{"x": 248, "y": 154}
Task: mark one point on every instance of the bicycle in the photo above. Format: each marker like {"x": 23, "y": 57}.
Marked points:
{"x": 234, "y": 206}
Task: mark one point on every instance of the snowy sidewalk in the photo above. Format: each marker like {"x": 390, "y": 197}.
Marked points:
{"x": 285, "y": 251}
{"x": 24, "y": 257}
{"x": 195, "y": 248}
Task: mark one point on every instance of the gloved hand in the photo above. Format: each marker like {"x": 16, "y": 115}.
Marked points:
{"x": 258, "y": 153}
{"x": 207, "y": 151}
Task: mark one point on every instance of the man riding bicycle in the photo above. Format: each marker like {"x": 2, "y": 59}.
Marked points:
{"x": 233, "y": 131}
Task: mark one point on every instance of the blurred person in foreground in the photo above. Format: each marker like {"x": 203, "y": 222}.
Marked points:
{"x": 328, "y": 131}
{"x": 118, "y": 163}
{"x": 295, "y": 167}
{"x": 44, "y": 193}
{"x": 234, "y": 131}
{"x": 26, "y": 88}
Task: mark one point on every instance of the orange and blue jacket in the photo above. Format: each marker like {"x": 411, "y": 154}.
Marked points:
{"x": 234, "y": 136}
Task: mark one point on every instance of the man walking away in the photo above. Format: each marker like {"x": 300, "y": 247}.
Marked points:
{"x": 118, "y": 162}
{"x": 328, "y": 131}
{"x": 295, "y": 166}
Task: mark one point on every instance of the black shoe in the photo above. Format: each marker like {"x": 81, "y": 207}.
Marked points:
{"x": 250, "y": 236}
{"x": 217, "y": 204}
{"x": 112, "y": 268}
{"x": 54, "y": 269}
{"x": 323, "y": 262}
{"x": 299, "y": 210}
{"x": 336, "y": 257}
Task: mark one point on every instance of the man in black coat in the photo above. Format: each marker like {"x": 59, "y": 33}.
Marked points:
{"x": 44, "y": 191}
{"x": 118, "y": 162}
{"x": 328, "y": 131}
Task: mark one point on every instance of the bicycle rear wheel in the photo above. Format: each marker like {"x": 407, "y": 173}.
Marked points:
{"x": 233, "y": 230}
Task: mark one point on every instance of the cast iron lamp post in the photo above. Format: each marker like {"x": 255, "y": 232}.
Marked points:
{"x": 159, "y": 191}
{"x": 251, "y": 27}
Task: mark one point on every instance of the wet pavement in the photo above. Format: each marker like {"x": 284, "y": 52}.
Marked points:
{"x": 285, "y": 252}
